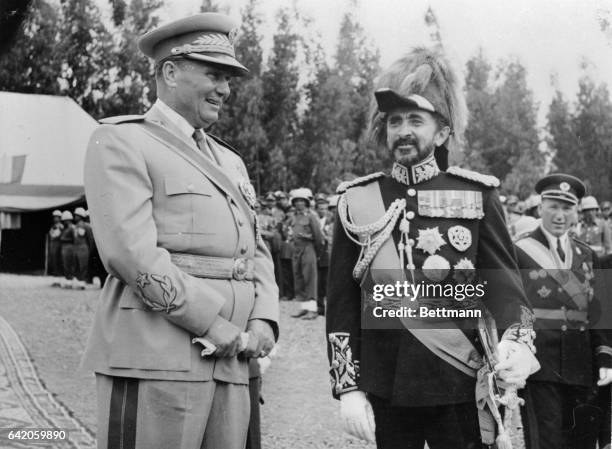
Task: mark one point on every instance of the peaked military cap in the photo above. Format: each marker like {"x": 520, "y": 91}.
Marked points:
{"x": 207, "y": 37}
{"x": 560, "y": 186}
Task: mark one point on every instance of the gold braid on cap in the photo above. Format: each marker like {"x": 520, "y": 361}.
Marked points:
{"x": 207, "y": 43}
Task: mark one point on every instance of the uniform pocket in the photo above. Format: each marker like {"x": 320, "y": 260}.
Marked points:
{"x": 186, "y": 186}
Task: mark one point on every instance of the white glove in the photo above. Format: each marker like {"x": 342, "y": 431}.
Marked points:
{"x": 605, "y": 376}
{"x": 357, "y": 415}
{"x": 516, "y": 362}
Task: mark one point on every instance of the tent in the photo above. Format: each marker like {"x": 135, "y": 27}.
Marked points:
{"x": 43, "y": 139}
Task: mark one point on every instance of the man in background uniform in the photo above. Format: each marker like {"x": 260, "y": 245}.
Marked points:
{"x": 54, "y": 246}
{"x": 326, "y": 219}
{"x": 83, "y": 243}
{"x": 593, "y": 230}
{"x": 422, "y": 225}
{"x": 307, "y": 240}
{"x": 67, "y": 238}
{"x": 172, "y": 210}
{"x": 559, "y": 275}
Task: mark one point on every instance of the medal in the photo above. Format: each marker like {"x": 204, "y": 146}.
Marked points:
{"x": 436, "y": 268}
{"x": 464, "y": 271}
{"x": 460, "y": 237}
{"x": 544, "y": 292}
{"x": 430, "y": 240}
{"x": 247, "y": 190}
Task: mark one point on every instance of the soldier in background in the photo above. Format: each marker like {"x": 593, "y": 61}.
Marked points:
{"x": 307, "y": 240}
{"x": 326, "y": 219}
{"x": 67, "y": 238}
{"x": 54, "y": 246}
{"x": 591, "y": 229}
{"x": 83, "y": 242}
{"x": 287, "y": 288}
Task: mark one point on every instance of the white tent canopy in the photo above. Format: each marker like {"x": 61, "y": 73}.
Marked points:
{"x": 43, "y": 139}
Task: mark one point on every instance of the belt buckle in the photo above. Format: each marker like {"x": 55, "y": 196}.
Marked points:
{"x": 243, "y": 269}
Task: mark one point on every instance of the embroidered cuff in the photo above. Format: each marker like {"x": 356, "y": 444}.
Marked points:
{"x": 603, "y": 350}
{"x": 603, "y": 355}
{"x": 344, "y": 370}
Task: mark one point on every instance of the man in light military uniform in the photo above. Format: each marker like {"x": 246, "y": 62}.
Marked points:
{"x": 307, "y": 241}
{"x": 397, "y": 384}
{"x": 593, "y": 230}
{"x": 559, "y": 274}
{"x": 172, "y": 211}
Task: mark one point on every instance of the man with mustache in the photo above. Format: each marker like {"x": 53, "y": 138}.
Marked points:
{"x": 172, "y": 210}
{"x": 407, "y": 381}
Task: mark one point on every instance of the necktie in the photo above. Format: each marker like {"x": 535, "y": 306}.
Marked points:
{"x": 560, "y": 250}
{"x": 201, "y": 143}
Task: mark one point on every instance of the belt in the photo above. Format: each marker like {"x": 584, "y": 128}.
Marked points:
{"x": 561, "y": 314}
{"x": 239, "y": 269}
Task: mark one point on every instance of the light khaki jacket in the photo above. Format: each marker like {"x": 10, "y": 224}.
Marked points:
{"x": 149, "y": 197}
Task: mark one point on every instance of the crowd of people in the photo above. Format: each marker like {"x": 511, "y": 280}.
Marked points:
{"x": 297, "y": 229}
{"x": 71, "y": 250}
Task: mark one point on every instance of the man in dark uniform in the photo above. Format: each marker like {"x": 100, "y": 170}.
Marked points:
{"x": 67, "y": 238}
{"x": 83, "y": 242}
{"x": 172, "y": 210}
{"x": 307, "y": 240}
{"x": 559, "y": 274}
{"x": 326, "y": 220}
{"x": 410, "y": 381}
{"x": 54, "y": 246}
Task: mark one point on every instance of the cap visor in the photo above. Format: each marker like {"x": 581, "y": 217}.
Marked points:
{"x": 388, "y": 100}
{"x": 222, "y": 60}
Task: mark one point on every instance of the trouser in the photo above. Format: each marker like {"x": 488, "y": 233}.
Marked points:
{"x": 254, "y": 434}
{"x": 558, "y": 416}
{"x": 81, "y": 253}
{"x": 160, "y": 414}
{"x": 68, "y": 260}
{"x": 305, "y": 272}
{"x": 286, "y": 287}
{"x": 54, "y": 261}
{"x": 322, "y": 288}
{"x": 450, "y": 426}
{"x": 604, "y": 403}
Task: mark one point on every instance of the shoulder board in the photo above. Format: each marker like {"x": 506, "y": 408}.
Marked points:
{"x": 487, "y": 180}
{"x": 344, "y": 186}
{"x": 118, "y": 119}
{"x": 224, "y": 143}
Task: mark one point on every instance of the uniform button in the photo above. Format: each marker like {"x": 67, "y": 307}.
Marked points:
{"x": 190, "y": 187}
{"x": 411, "y": 192}
{"x": 409, "y": 215}
{"x": 582, "y": 328}
{"x": 243, "y": 250}
{"x": 564, "y": 328}
{"x": 240, "y": 222}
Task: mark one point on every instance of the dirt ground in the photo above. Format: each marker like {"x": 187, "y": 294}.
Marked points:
{"x": 53, "y": 324}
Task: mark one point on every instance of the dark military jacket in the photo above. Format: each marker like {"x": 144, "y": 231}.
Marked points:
{"x": 569, "y": 349}
{"x": 456, "y": 219}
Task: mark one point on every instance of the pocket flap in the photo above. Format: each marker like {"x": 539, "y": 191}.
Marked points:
{"x": 178, "y": 186}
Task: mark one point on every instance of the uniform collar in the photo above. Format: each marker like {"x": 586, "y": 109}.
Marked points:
{"x": 417, "y": 173}
{"x": 177, "y": 120}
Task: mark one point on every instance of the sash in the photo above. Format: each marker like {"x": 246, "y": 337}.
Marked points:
{"x": 451, "y": 345}
{"x": 566, "y": 279}
{"x": 211, "y": 171}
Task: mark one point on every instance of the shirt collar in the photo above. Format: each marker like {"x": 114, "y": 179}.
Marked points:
{"x": 552, "y": 240}
{"x": 177, "y": 119}
{"x": 423, "y": 171}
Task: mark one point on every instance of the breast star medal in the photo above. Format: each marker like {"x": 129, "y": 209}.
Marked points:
{"x": 464, "y": 271}
{"x": 430, "y": 240}
{"x": 436, "y": 268}
{"x": 460, "y": 237}
{"x": 544, "y": 292}
{"x": 247, "y": 190}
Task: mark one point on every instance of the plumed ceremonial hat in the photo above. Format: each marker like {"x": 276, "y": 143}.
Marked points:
{"x": 422, "y": 79}
{"x": 207, "y": 37}
{"x": 560, "y": 186}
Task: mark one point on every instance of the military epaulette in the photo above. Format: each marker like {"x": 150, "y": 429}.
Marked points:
{"x": 487, "y": 180}
{"x": 344, "y": 186}
{"x": 224, "y": 143}
{"x": 118, "y": 119}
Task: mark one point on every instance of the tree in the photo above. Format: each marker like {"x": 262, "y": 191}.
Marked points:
{"x": 562, "y": 137}
{"x": 32, "y": 63}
